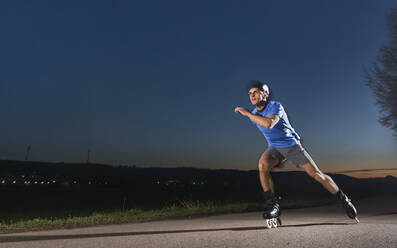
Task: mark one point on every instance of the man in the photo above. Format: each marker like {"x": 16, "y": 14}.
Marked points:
{"x": 283, "y": 143}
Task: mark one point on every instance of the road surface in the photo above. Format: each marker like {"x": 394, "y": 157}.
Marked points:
{"x": 326, "y": 226}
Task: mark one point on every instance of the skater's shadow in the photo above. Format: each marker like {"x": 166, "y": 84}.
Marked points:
{"x": 317, "y": 224}
{"x": 390, "y": 213}
{"x": 22, "y": 238}
{"x": 284, "y": 226}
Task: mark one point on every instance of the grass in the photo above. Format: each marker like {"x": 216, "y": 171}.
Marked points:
{"x": 185, "y": 208}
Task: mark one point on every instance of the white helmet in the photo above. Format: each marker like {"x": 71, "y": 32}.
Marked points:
{"x": 259, "y": 85}
{"x": 265, "y": 88}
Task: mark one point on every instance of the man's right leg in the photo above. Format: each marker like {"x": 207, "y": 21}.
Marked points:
{"x": 266, "y": 162}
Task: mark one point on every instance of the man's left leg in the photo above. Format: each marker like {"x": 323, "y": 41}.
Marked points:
{"x": 327, "y": 182}
{"x": 299, "y": 156}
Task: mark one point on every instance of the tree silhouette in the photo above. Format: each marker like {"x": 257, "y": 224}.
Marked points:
{"x": 382, "y": 77}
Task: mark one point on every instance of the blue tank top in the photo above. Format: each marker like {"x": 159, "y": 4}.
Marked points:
{"x": 282, "y": 135}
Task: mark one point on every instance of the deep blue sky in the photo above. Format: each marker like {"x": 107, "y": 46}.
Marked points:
{"x": 155, "y": 83}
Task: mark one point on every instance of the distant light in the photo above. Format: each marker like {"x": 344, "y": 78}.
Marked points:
{"x": 35, "y": 182}
{"x": 14, "y": 182}
{"x": 53, "y": 181}
{"x": 3, "y": 182}
{"x": 23, "y": 176}
{"x": 41, "y": 182}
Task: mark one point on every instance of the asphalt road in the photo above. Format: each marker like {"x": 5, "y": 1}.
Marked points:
{"x": 326, "y": 226}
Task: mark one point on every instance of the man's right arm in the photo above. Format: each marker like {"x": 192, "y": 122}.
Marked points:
{"x": 266, "y": 122}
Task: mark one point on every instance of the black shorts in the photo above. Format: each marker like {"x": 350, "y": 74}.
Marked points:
{"x": 297, "y": 154}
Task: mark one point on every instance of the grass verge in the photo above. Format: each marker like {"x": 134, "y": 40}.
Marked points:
{"x": 182, "y": 209}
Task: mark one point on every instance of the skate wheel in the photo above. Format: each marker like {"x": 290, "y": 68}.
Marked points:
{"x": 268, "y": 223}
{"x": 272, "y": 223}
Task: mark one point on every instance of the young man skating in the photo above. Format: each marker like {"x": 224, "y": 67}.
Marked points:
{"x": 283, "y": 143}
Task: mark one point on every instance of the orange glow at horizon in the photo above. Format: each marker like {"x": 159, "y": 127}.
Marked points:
{"x": 370, "y": 173}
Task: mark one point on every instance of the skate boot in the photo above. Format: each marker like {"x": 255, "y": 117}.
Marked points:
{"x": 347, "y": 205}
{"x": 272, "y": 211}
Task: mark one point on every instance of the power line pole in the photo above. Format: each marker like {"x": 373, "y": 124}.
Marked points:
{"x": 88, "y": 156}
{"x": 27, "y": 153}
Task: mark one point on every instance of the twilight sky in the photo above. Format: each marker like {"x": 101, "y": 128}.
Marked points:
{"x": 155, "y": 83}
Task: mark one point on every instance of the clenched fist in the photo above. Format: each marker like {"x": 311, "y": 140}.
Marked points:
{"x": 242, "y": 111}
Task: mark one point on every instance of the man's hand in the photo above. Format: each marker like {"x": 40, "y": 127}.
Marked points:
{"x": 242, "y": 111}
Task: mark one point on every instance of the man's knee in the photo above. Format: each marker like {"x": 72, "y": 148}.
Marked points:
{"x": 313, "y": 171}
{"x": 317, "y": 175}
{"x": 265, "y": 165}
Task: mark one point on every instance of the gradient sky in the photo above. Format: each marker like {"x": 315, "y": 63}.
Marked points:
{"x": 155, "y": 83}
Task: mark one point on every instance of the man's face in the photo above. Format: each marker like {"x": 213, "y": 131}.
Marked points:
{"x": 256, "y": 96}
